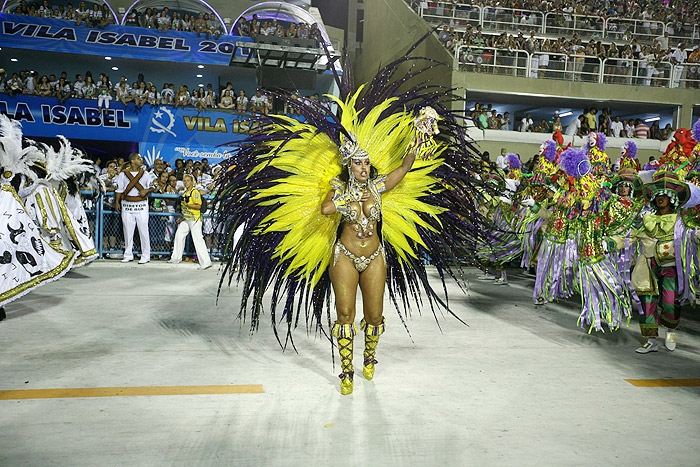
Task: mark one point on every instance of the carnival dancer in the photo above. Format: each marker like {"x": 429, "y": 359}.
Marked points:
{"x": 598, "y": 158}
{"x": 63, "y": 170}
{"x": 27, "y": 260}
{"x": 133, "y": 188}
{"x": 312, "y": 222}
{"x": 605, "y": 299}
{"x": 46, "y": 207}
{"x": 679, "y": 152}
{"x": 628, "y": 157}
{"x": 661, "y": 277}
{"x": 505, "y": 243}
{"x": 557, "y": 261}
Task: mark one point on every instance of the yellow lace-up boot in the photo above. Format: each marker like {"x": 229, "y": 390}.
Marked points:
{"x": 345, "y": 334}
{"x": 372, "y": 334}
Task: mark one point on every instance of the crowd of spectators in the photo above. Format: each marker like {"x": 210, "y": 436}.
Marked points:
{"x": 632, "y": 63}
{"x": 678, "y": 15}
{"x": 485, "y": 116}
{"x": 272, "y": 27}
{"x": 139, "y": 93}
{"x": 96, "y": 15}
{"x": 87, "y": 13}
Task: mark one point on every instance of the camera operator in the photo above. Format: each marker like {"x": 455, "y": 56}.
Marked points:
{"x": 191, "y": 222}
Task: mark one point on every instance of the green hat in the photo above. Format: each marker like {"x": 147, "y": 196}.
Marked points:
{"x": 669, "y": 184}
{"x": 628, "y": 176}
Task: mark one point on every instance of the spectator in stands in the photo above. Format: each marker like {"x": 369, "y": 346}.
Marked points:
{"x": 227, "y": 101}
{"x": 63, "y": 90}
{"x": 629, "y": 128}
{"x": 44, "y": 88}
{"x": 556, "y": 124}
{"x": 526, "y": 124}
{"x": 14, "y": 85}
{"x": 590, "y": 117}
{"x": 574, "y": 128}
{"x": 104, "y": 93}
{"x": 82, "y": 15}
{"x": 152, "y": 96}
{"x": 303, "y": 31}
{"x": 78, "y": 86}
{"x": 89, "y": 90}
{"x": 292, "y": 30}
{"x": 617, "y": 128}
{"x": 604, "y": 123}
{"x": 30, "y": 83}
{"x": 201, "y": 99}
{"x": 482, "y": 120}
{"x": 667, "y": 132}
{"x": 123, "y": 93}
{"x": 140, "y": 96}
{"x": 163, "y": 21}
{"x": 188, "y": 22}
{"x": 259, "y": 103}
{"x": 662, "y": 41}
{"x": 167, "y": 94}
{"x": 132, "y": 18}
{"x": 494, "y": 122}
{"x": 242, "y": 102}
{"x": 505, "y": 122}
{"x": 200, "y": 26}
{"x": 641, "y": 130}
{"x": 543, "y": 127}
{"x": 182, "y": 99}
{"x": 655, "y": 131}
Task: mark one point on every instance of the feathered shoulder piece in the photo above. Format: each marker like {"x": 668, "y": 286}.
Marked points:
{"x": 65, "y": 163}
{"x": 14, "y": 159}
{"x": 272, "y": 190}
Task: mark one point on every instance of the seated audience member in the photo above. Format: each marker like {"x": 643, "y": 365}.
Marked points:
{"x": 226, "y": 100}
{"x": 259, "y": 103}
{"x": 242, "y": 102}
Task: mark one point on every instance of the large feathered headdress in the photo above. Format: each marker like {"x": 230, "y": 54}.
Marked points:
{"x": 14, "y": 159}
{"x": 65, "y": 163}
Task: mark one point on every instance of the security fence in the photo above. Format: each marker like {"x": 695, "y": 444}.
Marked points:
{"x": 586, "y": 68}
{"x": 107, "y": 231}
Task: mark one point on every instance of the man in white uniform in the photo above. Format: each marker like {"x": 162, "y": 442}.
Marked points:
{"x": 133, "y": 188}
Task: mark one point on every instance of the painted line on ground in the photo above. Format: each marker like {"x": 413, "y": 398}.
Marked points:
{"x": 664, "y": 383}
{"x": 130, "y": 391}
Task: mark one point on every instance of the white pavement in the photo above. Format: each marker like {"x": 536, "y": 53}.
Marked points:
{"x": 519, "y": 386}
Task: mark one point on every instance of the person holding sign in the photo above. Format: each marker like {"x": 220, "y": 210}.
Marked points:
{"x": 191, "y": 221}
{"x": 133, "y": 188}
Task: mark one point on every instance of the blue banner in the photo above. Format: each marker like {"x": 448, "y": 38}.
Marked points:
{"x": 54, "y": 35}
{"x": 173, "y": 132}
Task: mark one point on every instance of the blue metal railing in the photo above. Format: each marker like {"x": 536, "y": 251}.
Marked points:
{"x": 106, "y": 225}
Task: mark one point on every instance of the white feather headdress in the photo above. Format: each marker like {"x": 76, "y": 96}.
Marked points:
{"x": 14, "y": 158}
{"x": 65, "y": 163}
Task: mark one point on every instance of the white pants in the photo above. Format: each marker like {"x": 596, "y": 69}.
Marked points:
{"x": 130, "y": 220}
{"x": 195, "y": 227}
{"x": 102, "y": 99}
